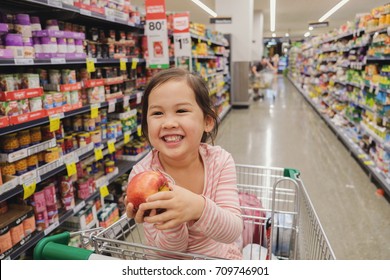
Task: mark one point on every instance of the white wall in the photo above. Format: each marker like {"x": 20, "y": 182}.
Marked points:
{"x": 241, "y": 27}
{"x": 257, "y": 43}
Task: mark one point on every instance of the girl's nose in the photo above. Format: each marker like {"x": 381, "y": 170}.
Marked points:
{"x": 170, "y": 122}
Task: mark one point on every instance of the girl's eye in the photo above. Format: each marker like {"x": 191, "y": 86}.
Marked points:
{"x": 182, "y": 111}
{"x": 156, "y": 113}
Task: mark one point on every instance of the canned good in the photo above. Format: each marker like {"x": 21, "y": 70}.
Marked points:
{"x": 61, "y": 145}
{"x": 68, "y": 143}
{"x": 9, "y": 143}
{"x": 21, "y": 167}
{"x": 89, "y": 123}
{"x": 86, "y": 136}
{"x": 32, "y": 162}
{"x": 46, "y": 133}
{"x": 7, "y": 168}
{"x": 78, "y": 123}
{"x": 109, "y": 167}
{"x": 52, "y": 154}
{"x": 74, "y": 139}
{"x": 36, "y": 135}
{"x": 96, "y": 137}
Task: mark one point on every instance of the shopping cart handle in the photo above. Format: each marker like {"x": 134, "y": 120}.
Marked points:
{"x": 291, "y": 173}
{"x": 56, "y": 247}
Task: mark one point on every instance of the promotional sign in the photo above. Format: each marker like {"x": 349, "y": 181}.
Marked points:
{"x": 156, "y": 32}
{"x": 182, "y": 40}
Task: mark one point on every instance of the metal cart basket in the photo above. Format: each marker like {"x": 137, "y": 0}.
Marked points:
{"x": 262, "y": 81}
{"x": 279, "y": 223}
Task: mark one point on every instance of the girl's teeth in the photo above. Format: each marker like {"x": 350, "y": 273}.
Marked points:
{"x": 173, "y": 138}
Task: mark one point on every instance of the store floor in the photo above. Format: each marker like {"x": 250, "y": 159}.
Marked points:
{"x": 287, "y": 132}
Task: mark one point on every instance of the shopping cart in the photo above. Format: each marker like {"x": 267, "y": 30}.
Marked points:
{"x": 279, "y": 223}
{"x": 261, "y": 82}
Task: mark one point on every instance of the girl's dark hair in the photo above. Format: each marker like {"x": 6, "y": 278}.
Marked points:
{"x": 198, "y": 86}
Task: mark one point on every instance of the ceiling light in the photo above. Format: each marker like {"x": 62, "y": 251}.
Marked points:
{"x": 273, "y": 35}
{"x": 334, "y": 9}
{"x": 307, "y": 34}
{"x": 311, "y": 27}
{"x": 204, "y": 7}
{"x": 287, "y": 35}
{"x": 272, "y": 4}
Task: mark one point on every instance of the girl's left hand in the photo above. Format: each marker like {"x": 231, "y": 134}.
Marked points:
{"x": 181, "y": 206}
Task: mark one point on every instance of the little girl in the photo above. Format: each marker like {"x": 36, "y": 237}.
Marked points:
{"x": 202, "y": 214}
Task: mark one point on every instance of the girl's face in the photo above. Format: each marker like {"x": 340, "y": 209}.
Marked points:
{"x": 175, "y": 121}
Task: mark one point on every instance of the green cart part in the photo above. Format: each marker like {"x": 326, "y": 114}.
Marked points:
{"x": 56, "y": 247}
{"x": 291, "y": 173}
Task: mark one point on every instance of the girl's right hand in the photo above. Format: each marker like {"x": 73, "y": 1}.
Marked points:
{"x": 139, "y": 215}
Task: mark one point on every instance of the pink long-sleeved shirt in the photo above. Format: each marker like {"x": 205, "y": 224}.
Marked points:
{"x": 220, "y": 225}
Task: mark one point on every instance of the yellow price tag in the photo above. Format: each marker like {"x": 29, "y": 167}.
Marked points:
{"x": 98, "y": 154}
{"x": 71, "y": 168}
{"x": 134, "y": 63}
{"x": 139, "y": 130}
{"x": 94, "y": 112}
{"x": 54, "y": 123}
{"x": 361, "y": 156}
{"x": 104, "y": 191}
{"x": 123, "y": 64}
{"x": 90, "y": 65}
{"x": 199, "y": 41}
{"x": 126, "y": 138}
{"x": 111, "y": 146}
{"x": 198, "y": 66}
{"x": 369, "y": 162}
{"x": 209, "y": 42}
{"x": 29, "y": 189}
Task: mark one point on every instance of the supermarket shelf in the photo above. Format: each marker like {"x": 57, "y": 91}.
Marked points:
{"x": 45, "y": 120}
{"x": 123, "y": 166}
{"x": 378, "y": 58}
{"x": 224, "y": 112}
{"x": 61, "y": 167}
{"x": 58, "y": 61}
{"x": 72, "y": 11}
{"x": 361, "y": 157}
{"x": 204, "y": 39}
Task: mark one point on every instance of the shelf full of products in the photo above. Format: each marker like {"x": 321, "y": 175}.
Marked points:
{"x": 71, "y": 83}
{"x": 345, "y": 76}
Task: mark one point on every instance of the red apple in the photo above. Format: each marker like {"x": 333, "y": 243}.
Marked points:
{"x": 145, "y": 184}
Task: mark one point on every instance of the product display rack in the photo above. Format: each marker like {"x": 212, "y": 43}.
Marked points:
{"x": 123, "y": 166}
{"x": 221, "y": 92}
{"x": 31, "y": 240}
{"x": 60, "y": 10}
{"x": 343, "y": 78}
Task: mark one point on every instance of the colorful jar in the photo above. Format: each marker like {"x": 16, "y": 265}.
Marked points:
{"x": 109, "y": 166}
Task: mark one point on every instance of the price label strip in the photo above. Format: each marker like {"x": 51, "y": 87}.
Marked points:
{"x": 71, "y": 169}
{"x": 134, "y": 63}
{"x": 29, "y": 188}
{"x": 139, "y": 130}
{"x": 104, "y": 191}
{"x": 111, "y": 146}
{"x": 123, "y": 64}
{"x": 90, "y": 65}
{"x": 54, "y": 123}
{"x": 98, "y": 154}
{"x": 94, "y": 111}
{"x": 126, "y": 137}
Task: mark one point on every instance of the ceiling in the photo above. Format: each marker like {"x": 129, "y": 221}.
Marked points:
{"x": 292, "y": 16}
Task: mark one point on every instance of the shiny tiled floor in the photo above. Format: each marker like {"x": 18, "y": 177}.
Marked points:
{"x": 287, "y": 132}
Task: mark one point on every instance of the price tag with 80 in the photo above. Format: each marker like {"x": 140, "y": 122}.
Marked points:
{"x": 156, "y": 26}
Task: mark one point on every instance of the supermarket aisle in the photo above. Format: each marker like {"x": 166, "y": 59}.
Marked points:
{"x": 287, "y": 132}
